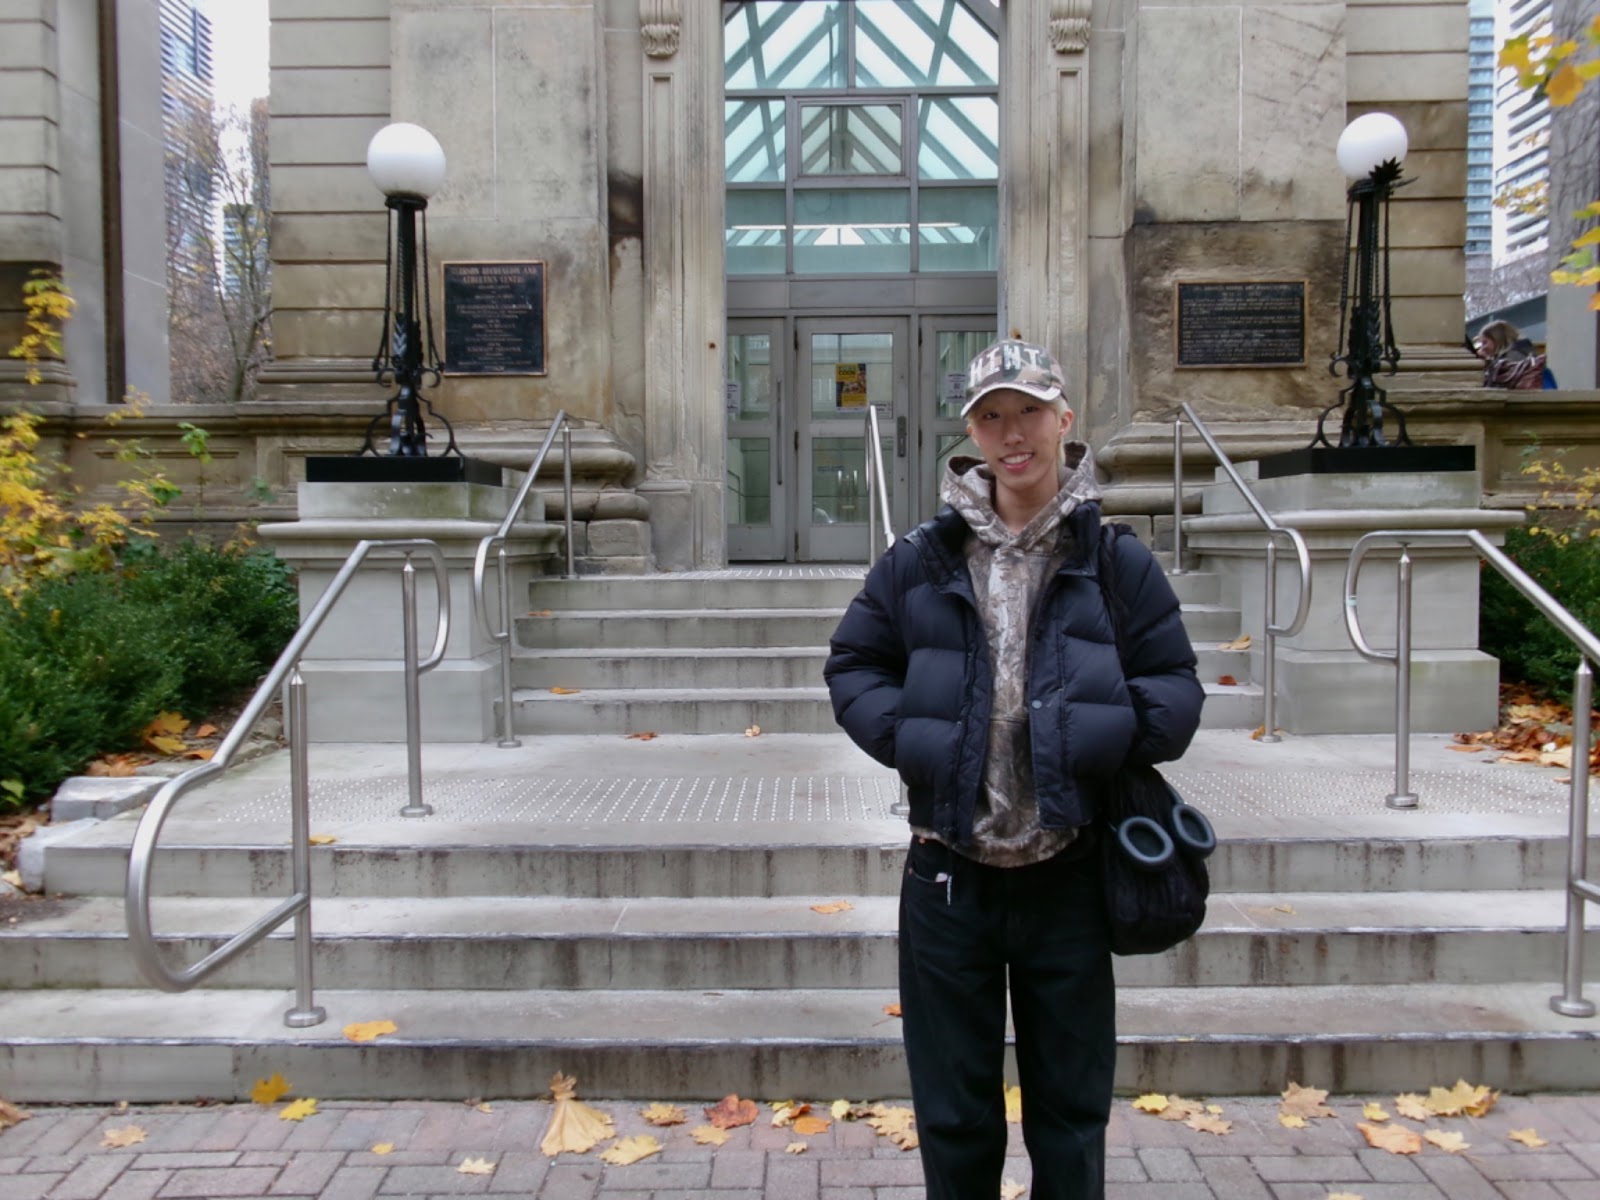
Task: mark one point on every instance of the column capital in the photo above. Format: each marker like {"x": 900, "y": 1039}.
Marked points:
{"x": 1069, "y": 26}
{"x": 660, "y": 24}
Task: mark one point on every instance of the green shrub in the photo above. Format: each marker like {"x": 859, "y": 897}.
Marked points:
{"x": 88, "y": 660}
{"x": 1530, "y": 648}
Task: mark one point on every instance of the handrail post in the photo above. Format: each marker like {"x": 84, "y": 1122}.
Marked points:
{"x": 413, "y": 692}
{"x": 1269, "y": 661}
{"x": 1571, "y": 1002}
{"x": 508, "y": 736}
{"x": 1177, "y": 497}
{"x": 305, "y": 1012}
{"x": 869, "y": 428}
{"x": 566, "y": 501}
{"x": 1402, "y": 796}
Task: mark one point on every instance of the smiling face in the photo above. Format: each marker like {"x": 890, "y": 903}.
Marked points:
{"x": 1020, "y": 439}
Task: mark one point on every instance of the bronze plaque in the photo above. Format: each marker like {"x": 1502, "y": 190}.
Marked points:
{"x": 1240, "y": 324}
{"x": 493, "y": 318}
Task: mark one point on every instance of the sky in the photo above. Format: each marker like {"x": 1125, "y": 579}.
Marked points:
{"x": 239, "y": 51}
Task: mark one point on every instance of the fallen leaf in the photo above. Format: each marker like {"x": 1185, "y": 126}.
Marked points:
{"x": 795, "y": 1148}
{"x": 1455, "y": 1143}
{"x": 543, "y": 612}
{"x": 785, "y": 1112}
{"x": 206, "y": 730}
{"x": 115, "y": 766}
{"x": 753, "y": 731}
{"x": 322, "y": 839}
{"x": 574, "y": 1126}
{"x": 204, "y": 753}
{"x": 811, "y": 1126}
{"x": 1010, "y": 1189}
{"x": 1526, "y": 1136}
{"x": 1463, "y": 1099}
{"x": 1242, "y": 642}
{"x": 561, "y": 691}
{"x": 1206, "y": 1123}
{"x": 367, "y": 1031}
{"x": 1150, "y": 1102}
{"x": 840, "y": 1109}
{"x": 644, "y": 737}
{"x": 892, "y": 1010}
{"x": 629, "y": 1150}
{"x": 270, "y": 1090}
{"x": 1179, "y": 1109}
{"x": 1014, "y": 1105}
{"x": 1259, "y": 732}
{"x": 483, "y": 1106}
{"x": 11, "y": 1115}
{"x": 383, "y": 1148}
{"x": 1373, "y": 1111}
{"x": 709, "y": 1135}
{"x": 14, "y": 878}
{"x": 1292, "y": 1121}
{"x": 1396, "y": 1139}
{"x": 1214, "y": 1109}
{"x": 475, "y": 1166}
{"x": 299, "y": 1110}
{"x": 896, "y": 1123}
{"x": 1410, "y": 1106}
{"x": 836, "y": 906}
{"x": 1227, "y": 681}
{"x": 163, "y": 744}
{"x": 1463, "y": 749}
{"x": 663, "y": 1114}
{"x": 1343, "y": 1196}
{"x": 168, "y": 724}
{"x": 122, "y": 1137}
{"x": 731, "y": 1112}
{"x": 1306, "y": 1102}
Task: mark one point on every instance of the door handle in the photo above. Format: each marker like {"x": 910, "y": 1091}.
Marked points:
{"x": 899, "y": 437}
{"x": 777, "y": 441}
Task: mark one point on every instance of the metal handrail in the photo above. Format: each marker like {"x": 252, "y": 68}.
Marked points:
{"x": 285, "y": 672}
{"x": 1271, "y": 631}
{"x": 877, "y": 490}
{"x": 497, "y": 541}
{"x": 1571, "y": 1002}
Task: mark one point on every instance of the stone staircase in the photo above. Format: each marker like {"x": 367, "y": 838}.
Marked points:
{"x": 640, "y": 914}
{"x": 718, "y": 652}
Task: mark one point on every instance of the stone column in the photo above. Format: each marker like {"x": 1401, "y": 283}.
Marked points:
{"x": 684, "y": 271}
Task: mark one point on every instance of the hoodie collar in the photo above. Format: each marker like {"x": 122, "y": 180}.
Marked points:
{"x": 968, "y": 487}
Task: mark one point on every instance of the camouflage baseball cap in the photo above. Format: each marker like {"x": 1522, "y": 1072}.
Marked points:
{"x": 1017, "y": 365}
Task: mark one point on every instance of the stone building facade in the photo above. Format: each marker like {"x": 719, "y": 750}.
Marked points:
{"x": 1134, "y": 146}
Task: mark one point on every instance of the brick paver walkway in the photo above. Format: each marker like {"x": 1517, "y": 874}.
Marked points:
{"x": 248, "y": 1151}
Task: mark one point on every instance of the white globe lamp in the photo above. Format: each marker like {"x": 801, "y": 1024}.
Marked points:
{"x": 406, "y": 160}
{"x": 1370, "y": 141}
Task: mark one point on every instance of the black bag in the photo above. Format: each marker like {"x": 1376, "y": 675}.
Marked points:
{"x": 1154, "y": 845}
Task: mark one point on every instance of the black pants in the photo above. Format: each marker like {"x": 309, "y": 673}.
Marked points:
{"x": 964, "y": 928}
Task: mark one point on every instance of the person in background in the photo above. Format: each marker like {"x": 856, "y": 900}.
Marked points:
{"x": 980, "y": 661}
{"x": 1511, "y": 360}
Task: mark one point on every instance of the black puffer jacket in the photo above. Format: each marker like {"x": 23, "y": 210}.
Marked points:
{"x": 909, "y": 674}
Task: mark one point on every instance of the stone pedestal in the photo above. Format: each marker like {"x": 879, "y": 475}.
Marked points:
{"x": 354, "y": 667}
{"x": 1323, "y": 684}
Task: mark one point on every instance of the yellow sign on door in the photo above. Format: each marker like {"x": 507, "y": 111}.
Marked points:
{"x": 850, "y": 385}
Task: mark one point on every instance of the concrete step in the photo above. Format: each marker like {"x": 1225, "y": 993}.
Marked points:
{"x": 618, "y": 629}
{"x": 1210, "y": 623}
{"x": 490, "y": 943}
{"x": 102, "y": 1046}
{"x": 775, "y": 858}
{"x": 1232, "y": 706}
{"x": 679, "y": 669}
{"x": 664, "y": 710}
{"x": 1212, "y": 663}
{"x": 1197, "y": 587}
{"x": 829, "y": 587}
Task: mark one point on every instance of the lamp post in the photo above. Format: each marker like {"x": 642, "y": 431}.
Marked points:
{"x": 407, "y": 164}
{"x": 1370, "y": 151}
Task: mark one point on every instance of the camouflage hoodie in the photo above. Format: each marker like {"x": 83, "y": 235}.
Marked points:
{"x": 1008, "y": 571}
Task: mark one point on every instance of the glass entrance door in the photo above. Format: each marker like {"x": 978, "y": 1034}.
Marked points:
{"x": 843, "y": 365}
{"x": 947, "y": 345}
{"x": 759, "y": 471}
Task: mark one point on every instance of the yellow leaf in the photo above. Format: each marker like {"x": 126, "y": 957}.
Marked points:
{"x": 205, "y": 731}
{"x": 475, "y": 1166}
{"x": 1179, "y": 1109}
{"x": 1014, "y": 1105}
{"x": 122, "y": 1138}
{"x": 1527, "y": 1137}
{"x": 561, "y": 691}
{"x": 1214, "y": 1109}
{"x": 322, "y": 839}
{"x": 811, "y": 1126}
{"x": 836, "y": 906}
{"x": 1306, "y": 1102}
{"x": 574, "y": 1126}
{"x": 163, "y": 744}
{"x": 1564, "y": 86}
{"x": 1242, "y": 642}
{"x": 663, "y": 1114}
{"x": 753, "y": 731}
{"x": 1464, "y": 1098}
{"x": 1411, "y": 1106}
{"x": 1455, "y": 1143}
{"x": 383, "y": 1148}
{"x": 894, "y": 1122}
{"x": 1150, "y": 1102}
{"x": 839, "y": 1109}
{"x": 731, "y": 1112}
{"x": 1205, "y": 1123}
{"x": 892, "y": 1010}
{"x": 1396, "y": 1139}
{"x": 367, "y": 1031}
{"x": 166, "y": 723}
{"x": 11, "y": 1115}
{"x": 795, "y": 1148}
{"x": 1292, "y": 1121}
{"x": 785, "y": 1112}
{"x": 14, "y": 878}
{"x": 563, "y": 1087}
{"x": 269, "y": 1090}
{"x": 1010, "y": 1189}
{"x": 299, "y": 1110}
{"x": 629, "y": 1150}
{"x": 1373, "y": 1111}
{"x": 709, "y": 1135}
{"x": 1514, "y": 54}
{"x": 483, "y": 1107}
